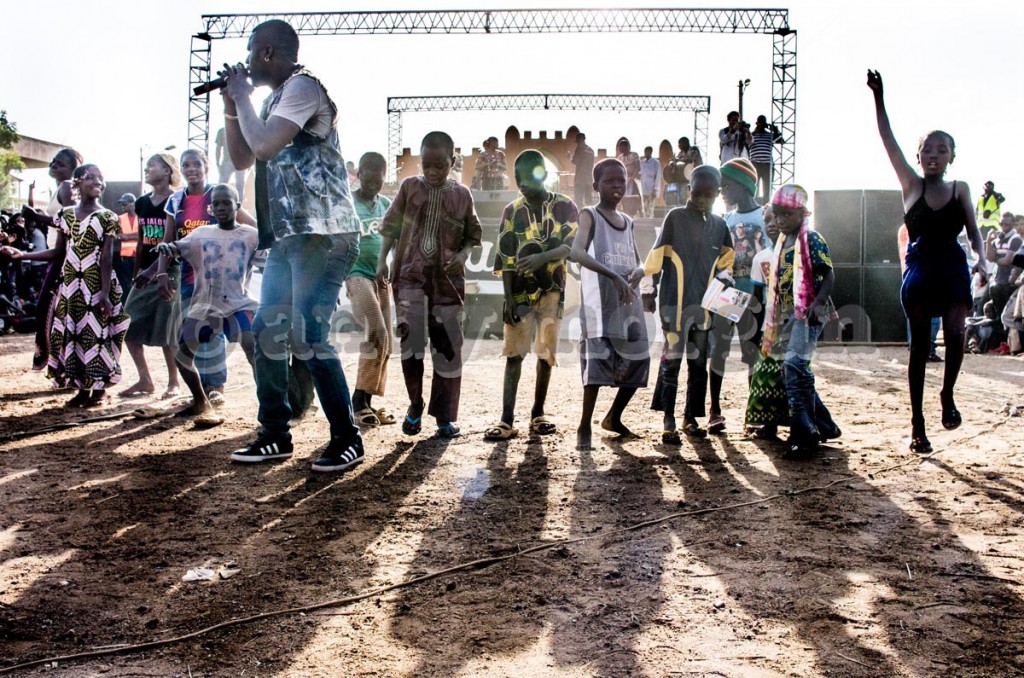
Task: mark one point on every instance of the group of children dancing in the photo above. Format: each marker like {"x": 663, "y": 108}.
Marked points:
{"x": 413, "y": 252}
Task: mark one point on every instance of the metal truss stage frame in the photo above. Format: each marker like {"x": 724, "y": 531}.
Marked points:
{"x": 774, "y": 22}
{"x": 700, "y": 105}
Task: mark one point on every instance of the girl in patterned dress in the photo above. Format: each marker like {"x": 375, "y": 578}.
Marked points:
{"x": 89, "y": 322}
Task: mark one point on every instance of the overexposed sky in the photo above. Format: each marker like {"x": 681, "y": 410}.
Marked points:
{"x": 111, "y": 76}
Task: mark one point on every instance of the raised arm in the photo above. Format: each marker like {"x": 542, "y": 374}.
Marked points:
{"x": 907, "y": 176}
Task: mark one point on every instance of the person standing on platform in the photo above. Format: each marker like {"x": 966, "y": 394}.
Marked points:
{"x": 988, "y": 211}
{"x": 582, "y": 157}
{"x": 650, "y": 180}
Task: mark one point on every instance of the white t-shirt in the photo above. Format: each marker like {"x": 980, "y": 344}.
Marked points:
{"x": 302, "y": 101}
{"x": 223, "y": 261}
{"x": 761, "y": 268}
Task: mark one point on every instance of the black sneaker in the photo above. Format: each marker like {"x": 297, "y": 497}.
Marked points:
{"x": 265, "y": 448}
{"x": 340, "y": 456}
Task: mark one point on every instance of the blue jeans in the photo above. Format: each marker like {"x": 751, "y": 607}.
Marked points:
{"x": 800, "y": 340}
{"x": 303, "y": 276}
{"x": 211, "y": 355}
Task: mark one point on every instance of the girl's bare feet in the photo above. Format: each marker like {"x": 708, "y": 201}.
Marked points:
{"x": 616, "y": 426}
{"x": 138, "y": 390}
{"x": 583, "y": 439}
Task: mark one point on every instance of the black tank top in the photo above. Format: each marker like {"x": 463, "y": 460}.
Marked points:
{"x": 934, "y": 228}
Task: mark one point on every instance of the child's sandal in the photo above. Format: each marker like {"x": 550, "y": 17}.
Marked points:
{"x": 716, "y": 424}
{"x": 448, "y": 430}
{"x": 367, "y": 418}
{"x": 500, "y": 431}
{"x": 671, "y": 438}
{"x": 384, "y": 417}
{"x": 692, "y": 430}
{"x": 542, "y": 426}
{"x": 410, "y": 426}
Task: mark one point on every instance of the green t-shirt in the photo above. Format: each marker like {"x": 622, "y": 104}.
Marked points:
{"x": 370, "y": 216}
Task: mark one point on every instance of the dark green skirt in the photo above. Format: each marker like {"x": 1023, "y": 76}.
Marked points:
{"x": 767, "y": 403}
{"x": 155, "y": 321}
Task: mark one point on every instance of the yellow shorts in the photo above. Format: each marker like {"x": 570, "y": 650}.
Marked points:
{"x": 540, "y": 321}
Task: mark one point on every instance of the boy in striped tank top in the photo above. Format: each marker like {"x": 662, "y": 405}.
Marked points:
{"x": 614, "y": 350}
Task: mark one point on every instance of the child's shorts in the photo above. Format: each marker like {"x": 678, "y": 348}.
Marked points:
{"x": 541, "y": 325}
{"x": 201, "y": 330}
{"x": 615, "y": 362}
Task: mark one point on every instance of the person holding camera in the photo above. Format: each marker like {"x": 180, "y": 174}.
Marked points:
{"x": 734, "y": 139}
{"x": 762, "y": 141}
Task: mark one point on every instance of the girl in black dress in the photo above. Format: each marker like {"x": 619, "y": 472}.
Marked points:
{"x": 936, "y": 281}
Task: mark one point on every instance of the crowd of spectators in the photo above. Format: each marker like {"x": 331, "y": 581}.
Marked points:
{"x": 997, "y": 323}
{"x": 20, "y": 281}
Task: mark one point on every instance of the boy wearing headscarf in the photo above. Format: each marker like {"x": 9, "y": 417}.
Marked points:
{"x": 797, "y": 307}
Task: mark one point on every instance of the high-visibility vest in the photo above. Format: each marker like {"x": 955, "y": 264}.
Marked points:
{"x": 129, "y": 227}
{"x": 992, "y": 205}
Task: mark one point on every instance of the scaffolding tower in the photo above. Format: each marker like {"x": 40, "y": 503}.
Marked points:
{"x": 765, "y": 21}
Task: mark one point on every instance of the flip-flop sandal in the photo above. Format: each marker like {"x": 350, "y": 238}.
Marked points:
{"x": 208, "y": 420}
{"x": 410, "y": 426}
{"x": 716, "y": 424}
{"x": 448, "y": 430}
{"x": 694, "y": 431}
{"x": 543, "y": 426}
{"x": 367, "y": 418}
{"x": 671, "y": 437}
{"x": 135, "y": 393}
{"x": 501, "y": 431}
{"x": 171, "y": 393}
{"x": 216, "y": 398}
{"x": 384, "y": 417}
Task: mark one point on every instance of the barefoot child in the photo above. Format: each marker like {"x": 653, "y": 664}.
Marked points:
{"x": 694, "y": 248}
{"x": 533, "y": 242}
{"x": 433, "y": 226}
{"x": 89, "y": 321}
{"x": 371, "y": 300}
{"x": 613, "y": 336}
{"x": 936, "y": 281}
{"x": 221, "y": 257}
{"x": 156, "y": 319}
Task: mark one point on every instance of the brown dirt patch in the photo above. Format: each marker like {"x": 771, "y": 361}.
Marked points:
{"x": 903, "y": 567}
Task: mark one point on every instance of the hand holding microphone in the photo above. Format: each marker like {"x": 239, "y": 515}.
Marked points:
{"x": 233, "y": 80}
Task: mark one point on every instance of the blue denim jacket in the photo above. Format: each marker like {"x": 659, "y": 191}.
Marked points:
{"x": 304, "y": 188}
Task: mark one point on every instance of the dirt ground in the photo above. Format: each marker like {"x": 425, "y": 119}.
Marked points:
{"x": 864, "y": 562}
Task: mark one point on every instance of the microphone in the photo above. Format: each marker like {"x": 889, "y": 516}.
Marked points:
{"x": 210, "y": 86}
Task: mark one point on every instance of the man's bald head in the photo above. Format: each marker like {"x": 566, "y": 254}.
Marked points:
{"x": 277, "y": 34}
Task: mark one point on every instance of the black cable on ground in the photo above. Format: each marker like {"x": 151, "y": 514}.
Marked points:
{"x": 463, "y": 567}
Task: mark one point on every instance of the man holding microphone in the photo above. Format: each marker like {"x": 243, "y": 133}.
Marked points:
{"x": 309, "y": 222}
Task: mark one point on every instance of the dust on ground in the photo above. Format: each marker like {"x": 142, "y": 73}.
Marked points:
{"x": 866, "y": 561}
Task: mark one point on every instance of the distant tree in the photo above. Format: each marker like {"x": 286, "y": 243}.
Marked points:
{"x": 9, "y": 159}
